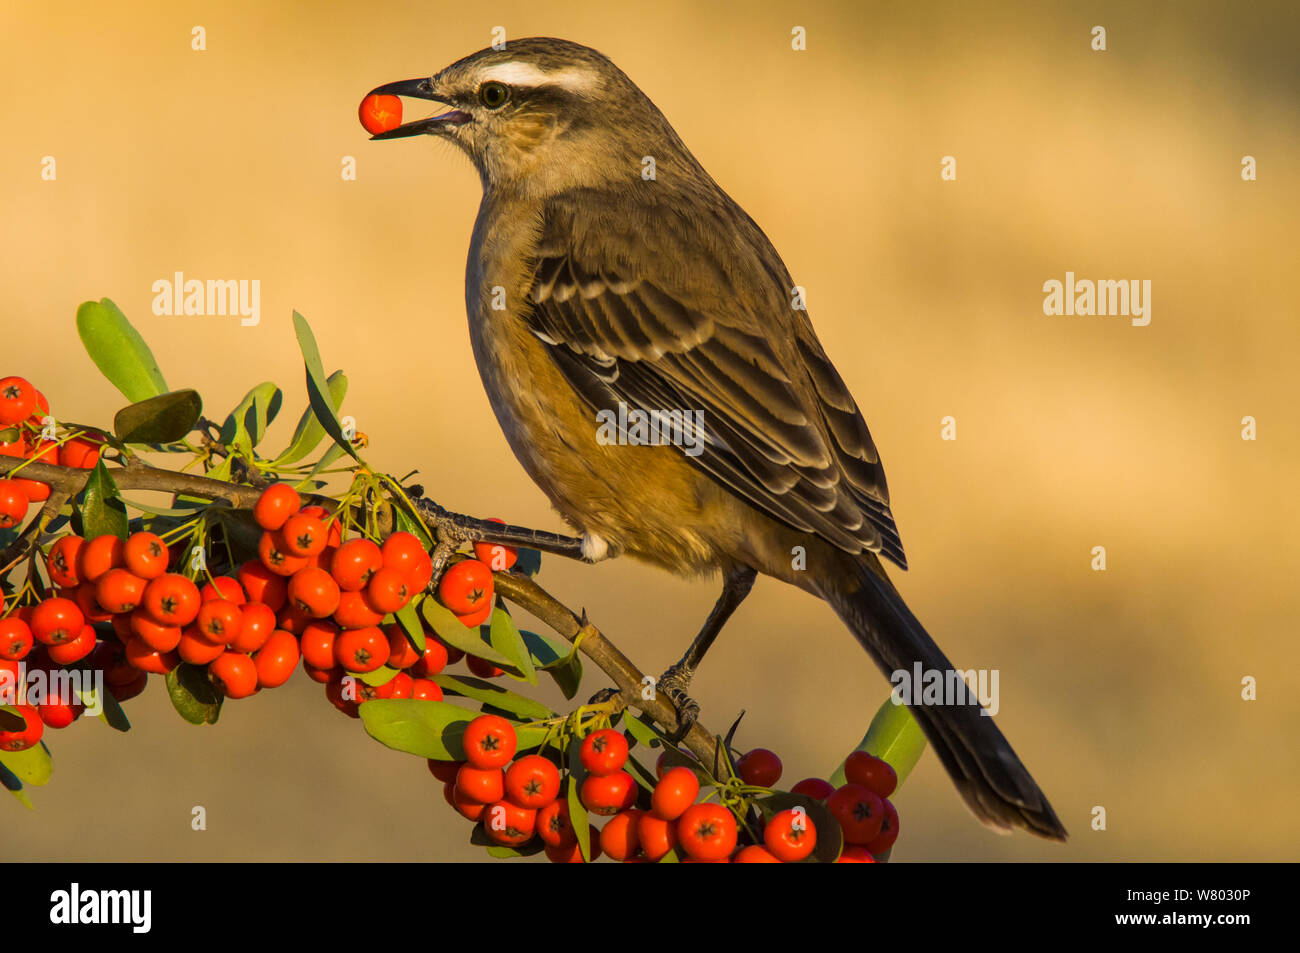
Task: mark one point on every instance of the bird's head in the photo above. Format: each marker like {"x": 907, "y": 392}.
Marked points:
{"x": 540, "y": 116}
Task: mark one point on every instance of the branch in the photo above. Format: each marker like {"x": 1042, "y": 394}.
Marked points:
{"x": 66, "y": 482}
{"x": 522, "y": 591}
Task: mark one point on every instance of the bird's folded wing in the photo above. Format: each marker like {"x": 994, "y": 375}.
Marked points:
{"x": 712, "y": 330}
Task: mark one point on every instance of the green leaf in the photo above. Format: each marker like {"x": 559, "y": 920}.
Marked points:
{"x": 102, "y": 511}
{"x": 830, "y": 839}
{"x": 893, "y": 737}
{"x": 309, "y": 433}
{"x": 15, "y": 787}
{"x": 110, "y": 711}
{"x": 409, "y": 619}
{"x": 505, "y": 638}
{"x": 380, "y": 676}
{"x": 427, "y": 728}
{"x": 245, "y": 426}
{"x": 408, "y": 524}
{"x": 118, "y": 350}
{"x": 639, "y": 730}
{"x": 557, "y": 659}
{"x": 193, "y": 695}
{"x": 160, "y": 419}
{"x": 458, "y": 635}
{"x": 577, "y": 810}
{"x": 500, "y": 698}
{"x": 154, "y": 510}
{"x": 32, "y": 766}
{"x": 318, "y": 393}
{"x": 9, "y": 780}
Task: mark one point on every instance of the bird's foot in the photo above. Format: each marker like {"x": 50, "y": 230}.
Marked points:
{"x": 673, "y": 683}
{"x": 448, "y": 537}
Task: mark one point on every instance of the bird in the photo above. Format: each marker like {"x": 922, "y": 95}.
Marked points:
{"x": 610, "y": 278}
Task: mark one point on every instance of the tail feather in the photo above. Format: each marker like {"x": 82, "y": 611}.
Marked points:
{"x": 976, "y": 755}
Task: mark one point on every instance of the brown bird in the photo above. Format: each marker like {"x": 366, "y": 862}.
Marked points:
{"x": 647, "y": 355}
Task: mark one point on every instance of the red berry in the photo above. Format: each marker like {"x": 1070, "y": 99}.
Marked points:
{"x": 62, "y": 561}
{"x": 56, "y": 620}
{"x": 354, "y": 563}
{"x": 760, "y": 767}
{"x": 276, "y": 659}
{"x": 859, "y": 811}
{"x": 484, "y": 785}
{"x": 753, "y": 854}
{"x": 73, "y": 650}
{"x": 17, "y": 400}
{"x": 608, "y": 793}
{"x": 675, "y": 792}
{"x": 888, "y": 831}
{"x": 870, "y": 772}
{"x": 509, "y": 824}
{"x": 276, "y": 504}
{"x": 554, "y": 826}
{"x": 790, "y": 835}
{"x": 23, "y": 738}
{"x": 380, "y": 113}
{"x": 361, "y": 650}
{"x": 604, "y": 751}
{"x": 707, "y": 832}
{"x": 13, "y": 504}
{"x": 853, "y": 854}
{"x": 145, "y": 555}
{"x": 466, "y": 587}
{"x": 620, "y": 838}
{"x": 497, "y": 556}
{"x": 235, "y": 673}
{"x": 489, "y": 742}
{"x": 304, "y": 534}
{"x": 15, "y": 638}
{"x": 814, "y": 788}
{"x": 532, "y": 782}
{"x": 171, "y": 599}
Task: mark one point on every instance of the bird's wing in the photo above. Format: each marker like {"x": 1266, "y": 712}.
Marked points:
{"x": 631, "y": 317}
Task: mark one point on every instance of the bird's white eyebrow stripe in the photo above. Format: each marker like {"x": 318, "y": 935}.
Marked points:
{"x": 525, "y": 74}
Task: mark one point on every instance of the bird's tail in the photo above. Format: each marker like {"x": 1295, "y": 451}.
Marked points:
{"x": 986, "y": 771}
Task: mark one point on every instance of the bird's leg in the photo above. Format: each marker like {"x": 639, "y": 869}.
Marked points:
{"x": 736, "y": 584}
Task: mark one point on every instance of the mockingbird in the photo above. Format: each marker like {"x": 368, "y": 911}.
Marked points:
{"x": 609, "y": 273}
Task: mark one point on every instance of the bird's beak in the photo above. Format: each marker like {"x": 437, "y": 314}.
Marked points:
{"x": 418, "y": 89}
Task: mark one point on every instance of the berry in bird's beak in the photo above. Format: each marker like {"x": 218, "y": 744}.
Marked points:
{"x": 380, "y": 113}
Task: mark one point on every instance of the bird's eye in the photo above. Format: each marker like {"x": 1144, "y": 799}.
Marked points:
{"x": 493, "y": 95}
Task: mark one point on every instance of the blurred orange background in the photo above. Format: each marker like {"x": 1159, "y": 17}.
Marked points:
{"x": 1119, "y": 689}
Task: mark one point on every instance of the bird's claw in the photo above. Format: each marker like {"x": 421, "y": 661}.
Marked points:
{"x": 674, "y": 683}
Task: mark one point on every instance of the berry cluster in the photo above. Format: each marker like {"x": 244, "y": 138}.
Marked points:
{"x": 517, "y": 801}
{"x": 121, "y": 608}
{"x": 23, "y": 411}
